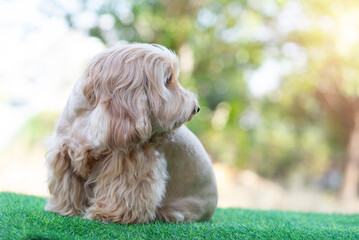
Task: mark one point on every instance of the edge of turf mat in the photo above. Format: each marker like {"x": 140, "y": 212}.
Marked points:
{"x": 23, "y": 217}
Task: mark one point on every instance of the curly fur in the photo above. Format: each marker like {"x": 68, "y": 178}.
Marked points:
{"x": 105, "y": 159}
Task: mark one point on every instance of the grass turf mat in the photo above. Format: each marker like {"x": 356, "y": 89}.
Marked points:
{"x": 23, "y": 217}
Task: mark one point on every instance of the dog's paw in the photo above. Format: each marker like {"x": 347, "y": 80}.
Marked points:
{"x": 118, "y": 214}
{"x": 62, "y": 208}
{"x": 93, "y": 213}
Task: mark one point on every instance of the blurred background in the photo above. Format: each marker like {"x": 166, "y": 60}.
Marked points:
{"x": 278, "y": 83}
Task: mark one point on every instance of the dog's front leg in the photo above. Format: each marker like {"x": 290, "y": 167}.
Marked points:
{"x": 128, "y": 187}
{"x": 67, "y": 191}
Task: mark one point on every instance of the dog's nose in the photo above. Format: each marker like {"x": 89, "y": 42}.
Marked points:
{"x": 196, "y": 110}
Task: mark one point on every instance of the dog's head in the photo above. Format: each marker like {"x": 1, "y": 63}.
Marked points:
{"x": 133, "y": 92}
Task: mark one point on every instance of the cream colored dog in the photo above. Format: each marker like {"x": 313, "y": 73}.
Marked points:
{"x": 120, "y": 151}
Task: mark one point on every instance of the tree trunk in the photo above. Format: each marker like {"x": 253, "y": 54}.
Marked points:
{"x": 351, "y": 170}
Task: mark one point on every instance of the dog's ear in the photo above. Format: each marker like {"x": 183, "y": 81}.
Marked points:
{"x": 128, "y": 113}
{"x": 92, "y": 79}
{"x": 115, "y": 90}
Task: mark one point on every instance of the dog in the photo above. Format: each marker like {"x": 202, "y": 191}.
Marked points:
{"x": 120, "y": 152}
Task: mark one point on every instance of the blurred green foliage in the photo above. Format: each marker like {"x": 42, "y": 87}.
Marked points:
{"x": 37, "y": 127}
{"x": 221, "y": 45}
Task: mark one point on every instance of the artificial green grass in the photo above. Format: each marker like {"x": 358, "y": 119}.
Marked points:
{"x": 23, "y": 217}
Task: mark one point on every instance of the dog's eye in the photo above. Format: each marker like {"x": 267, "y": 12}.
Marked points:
{"x": 168, "y": 79}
